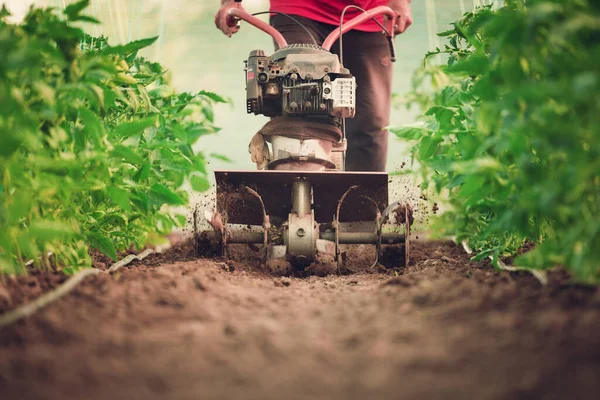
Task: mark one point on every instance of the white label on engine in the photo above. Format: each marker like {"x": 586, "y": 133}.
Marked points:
{"x": 344, "y": 90}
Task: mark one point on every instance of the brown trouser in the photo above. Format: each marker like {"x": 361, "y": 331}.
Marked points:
{"x": 367, "y": 56}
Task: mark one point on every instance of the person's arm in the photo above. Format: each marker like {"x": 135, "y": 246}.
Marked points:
{"x": 223, "y": 21}
{"x": 402, "y": 7}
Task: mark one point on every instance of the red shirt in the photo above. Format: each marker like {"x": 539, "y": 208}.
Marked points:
{"x": 329, "y": 11}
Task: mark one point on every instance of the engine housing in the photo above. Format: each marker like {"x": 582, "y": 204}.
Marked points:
{"x": 299, "y": 80}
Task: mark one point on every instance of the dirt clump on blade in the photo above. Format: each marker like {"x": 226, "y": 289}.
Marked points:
{"x": 402, "y": 212}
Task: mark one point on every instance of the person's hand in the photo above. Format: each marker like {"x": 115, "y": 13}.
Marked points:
{"x": 226, "y": 23}
{"x": 402, "y": 7}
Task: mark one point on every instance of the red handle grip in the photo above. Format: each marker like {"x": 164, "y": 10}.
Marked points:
{"x": 263, "y": 26}
{"x": 374, "y": 12}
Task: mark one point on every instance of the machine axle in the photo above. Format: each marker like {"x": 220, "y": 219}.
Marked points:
{"x": 256, "y": 237}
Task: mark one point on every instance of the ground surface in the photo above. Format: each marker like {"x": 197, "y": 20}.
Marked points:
{"x": 180, "y": 328}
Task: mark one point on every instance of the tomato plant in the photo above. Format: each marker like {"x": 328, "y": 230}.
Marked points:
{"x": 510, "y": 135}
{"x": 94, "y": 143}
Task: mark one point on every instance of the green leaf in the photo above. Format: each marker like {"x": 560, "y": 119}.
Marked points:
{"x": 92, "y": 125}
{"x": 128, "y": 154}
{"x": 129, "y": 48}
{"x": 120, "y": 197}
{"x": 199, "y": 183}
{"x": 73, "y": 10}
{"x": 128, "y": 129}
{"x": 100, "y": 242}
{"x": 446, "y": 33}
{"x": 410, "y": 132}
{"x": 47, "y": 230}
{"x": 220, "y": 157}
{"x": 474, "y": 65}
{"x": 144, "y": 172}
{"x": 180, "y": 220}
{"x": 471, "y": 185}
{"x": 4, "y": 12}
{"x": 141, "y": 202}
{"x": 161, "y": 194}
{"x": 208, "y": 113}
{"x": 213, "y": 96}
{"x": 428, "y": 147}
{"x": 9, "y": 143}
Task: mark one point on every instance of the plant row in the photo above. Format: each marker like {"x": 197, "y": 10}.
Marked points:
{"x": 94, "y": 143}
{"x": 510, "y": 134}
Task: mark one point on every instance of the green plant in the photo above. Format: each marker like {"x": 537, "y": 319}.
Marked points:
{"x": 94, "y": 143}
{"x": 511, "y": 136}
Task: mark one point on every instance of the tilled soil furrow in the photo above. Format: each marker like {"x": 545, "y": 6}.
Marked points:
{"x": 199, "y": 329}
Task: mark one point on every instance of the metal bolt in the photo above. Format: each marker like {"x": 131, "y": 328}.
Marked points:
{"x": 327, "y": 91}
{"x": 301, "y": 232}
{"x": 308, "y": 104}
{"x": 294, "y": 77}
{"x": 293, "y": 105}
{"x": 308, "y": 77}
{"x": 327, "y": 78}
{"x": 326, "y": 69}
{"x": 322, "y": 107}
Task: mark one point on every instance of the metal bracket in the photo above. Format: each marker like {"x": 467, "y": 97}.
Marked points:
{"x": 336, "y": 222}
{"x": 378, "y": 225}
{"x": 382, "y": 219}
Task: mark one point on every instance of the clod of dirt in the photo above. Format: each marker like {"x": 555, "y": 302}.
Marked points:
{"x": 321, "y": 268}
{"x": 286, "y": 281}
{"x": 448, "y": 260}
{"x": 397, "y": 281}
{"x": 5, "y": 299}
{"x": 198, "y": 284}
{"x": 278, "y": 267}
{"x": 435, "y": 208}
{"x": 229, "y": 330}
{"x": 227, "y": 267}
{"x": 203, "y": 247}
{"x": 283, "y": 282}
{"x": 401, "y": 212}
{"x": 421, "y": 299}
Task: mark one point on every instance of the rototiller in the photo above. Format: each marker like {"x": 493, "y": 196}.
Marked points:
{"x": 301, "y": 205}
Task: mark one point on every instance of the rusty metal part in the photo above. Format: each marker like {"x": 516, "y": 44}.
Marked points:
{"x": 275, "y": 190}
{"x": 266, "y": 222}
{"x": 379, "y": 236}
{"x": 336, "y": 222}
{"x": 382, "y": 220}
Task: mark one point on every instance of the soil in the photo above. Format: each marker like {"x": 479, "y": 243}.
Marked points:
{"x": 177, "y": 327}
